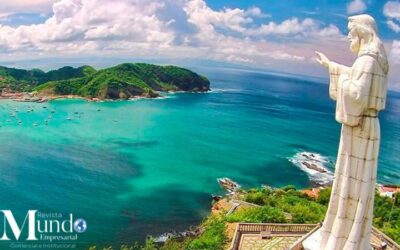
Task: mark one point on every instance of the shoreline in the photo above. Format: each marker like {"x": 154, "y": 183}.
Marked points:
{"x": 29, "y": 97}
{"x": 236, "y": 203}
{"x": 25, "y": 98}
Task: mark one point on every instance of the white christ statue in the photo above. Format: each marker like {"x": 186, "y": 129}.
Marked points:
{"x": 360, "y": 93}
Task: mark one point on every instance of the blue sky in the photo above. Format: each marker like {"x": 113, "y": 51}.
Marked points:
{"x": 265, "y": 34}
{"x": 326, "y": 11}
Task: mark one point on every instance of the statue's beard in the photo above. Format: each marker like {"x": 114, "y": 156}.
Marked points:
{"x": 355, "y": 46}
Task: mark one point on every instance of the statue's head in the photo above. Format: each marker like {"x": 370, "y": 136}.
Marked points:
{"x": 362, "y": 31}
{"x": 364, "y": 39}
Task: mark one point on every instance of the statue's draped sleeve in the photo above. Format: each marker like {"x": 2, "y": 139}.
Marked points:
{"x": 350, "y": 87}
{"x": 335, "y": 70}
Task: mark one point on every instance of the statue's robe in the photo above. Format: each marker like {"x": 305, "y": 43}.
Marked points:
{"x": 360, "y": 93}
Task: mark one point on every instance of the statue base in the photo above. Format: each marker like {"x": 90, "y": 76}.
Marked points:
{"x": 313, "y": 242}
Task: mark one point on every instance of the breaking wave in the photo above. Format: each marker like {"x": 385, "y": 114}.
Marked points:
{"x": 224, "y": 90}
{"x": 315, "y": 165}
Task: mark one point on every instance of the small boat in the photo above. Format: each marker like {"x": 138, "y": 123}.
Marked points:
{"x": 44, "y": 99}
{"x": 228, "y": 184}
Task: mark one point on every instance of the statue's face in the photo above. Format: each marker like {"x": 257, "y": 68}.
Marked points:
{"x": 354, "y": 39}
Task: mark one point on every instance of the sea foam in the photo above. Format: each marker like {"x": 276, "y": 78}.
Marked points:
{"x": 319, "y": 172}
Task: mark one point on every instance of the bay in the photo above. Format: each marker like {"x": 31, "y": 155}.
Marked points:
{"x": 148, "y": 166}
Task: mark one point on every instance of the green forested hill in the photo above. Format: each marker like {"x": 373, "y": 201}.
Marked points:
{"x": 25, "y": 80}
{"x": 118, "y": 82}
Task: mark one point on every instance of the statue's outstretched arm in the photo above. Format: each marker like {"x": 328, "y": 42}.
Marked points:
{"x": 324, "y": 61}
{"x": 335, "y": 70}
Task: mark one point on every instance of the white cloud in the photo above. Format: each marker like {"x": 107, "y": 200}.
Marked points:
{"x": 394, "y": 60}
{"x": 256, "y": 12}
{"x": 40, "y": 6}
{"x": 304, "y": 28}
{"x": 393, "y": 26}
{"x": 250, "y": 42}
{"x": 206, "y": 19}
{"x": 290, "y": 26}
{"x": 141, "y": 25}
{"x": 356, "y": 6}
{"x": 392, "y": 11}
{"x": 331, "y": 31}
{"x": 281, "y": 55}
{"x": 179, "y": 29}
{"x": 82, "y": 21}
{"x": 174, "y": 29}
{"x": 394, "y": 55}
{"x": 233, "y": 58}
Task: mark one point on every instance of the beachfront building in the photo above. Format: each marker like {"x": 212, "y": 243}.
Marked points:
{"x": 388, "y": 191}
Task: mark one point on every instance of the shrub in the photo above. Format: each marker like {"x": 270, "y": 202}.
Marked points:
{"x": 324, "y": 196}
{"x": 256, "y": 198}
{"x": 289, "y": 187}
{"x": 257, "y": 215}
{"x": 213, "y": 236}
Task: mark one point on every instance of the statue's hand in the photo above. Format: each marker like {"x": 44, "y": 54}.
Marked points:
{"x": 322, "y": 59}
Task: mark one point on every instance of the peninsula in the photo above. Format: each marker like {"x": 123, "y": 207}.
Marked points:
{"x": 124, "y": 81}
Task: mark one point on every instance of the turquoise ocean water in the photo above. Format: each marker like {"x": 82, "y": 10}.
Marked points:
{"x": 132, "y": 168}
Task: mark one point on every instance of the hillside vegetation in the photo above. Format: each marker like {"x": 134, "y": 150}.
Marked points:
{"x": 25, "y": 80}
{"x": 274, "y": 203}
{"x": 119, "y": 82}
